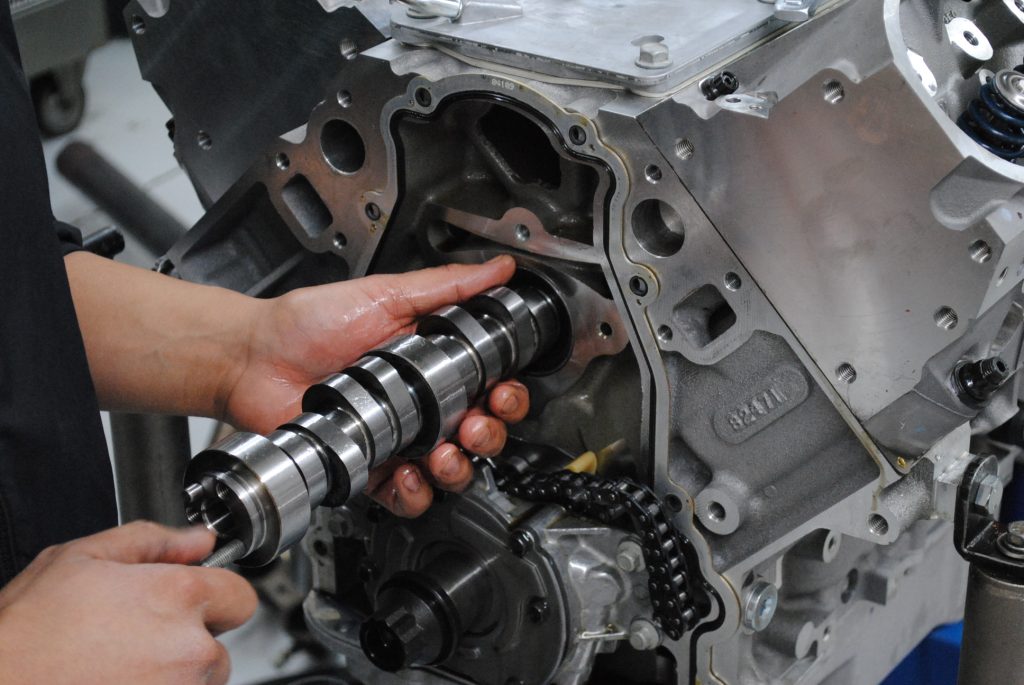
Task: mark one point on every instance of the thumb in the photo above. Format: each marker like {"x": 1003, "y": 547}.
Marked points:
{"x": 411, "y": 295}
{"x": 143, "y": 542}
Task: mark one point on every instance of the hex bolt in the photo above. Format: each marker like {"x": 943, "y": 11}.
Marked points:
{"x": 521, "y": 542}
{"x": 653, "y": 55}
{"x": 630, "y": 556}
{"x": 643, "y": 635}
{"x": 759, "y": 607}
{"x": 538, "y": 610}
{"x": 990, "y": 493}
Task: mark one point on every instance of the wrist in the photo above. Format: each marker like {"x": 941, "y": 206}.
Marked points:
{"x": 238, "y": 350}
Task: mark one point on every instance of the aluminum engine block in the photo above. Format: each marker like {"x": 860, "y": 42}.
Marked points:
{"x": 781, "y": 235}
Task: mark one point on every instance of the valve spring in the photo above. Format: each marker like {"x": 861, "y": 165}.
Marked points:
{"x": 994, "y": 122}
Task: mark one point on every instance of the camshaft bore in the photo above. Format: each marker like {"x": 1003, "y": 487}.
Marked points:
{"x": 403, "y": 398}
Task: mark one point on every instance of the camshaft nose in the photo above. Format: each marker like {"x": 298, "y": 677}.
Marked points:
{"x": 402, "y": 398}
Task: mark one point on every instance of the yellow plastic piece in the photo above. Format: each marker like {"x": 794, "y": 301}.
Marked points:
{"x": 585, "y": 463}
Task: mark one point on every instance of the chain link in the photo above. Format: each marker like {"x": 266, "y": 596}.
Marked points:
{"x": 679, "y": 594}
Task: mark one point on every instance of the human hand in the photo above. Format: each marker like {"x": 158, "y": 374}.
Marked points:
{"x": 307, "y": 334}
{"x": 122, "y": 606}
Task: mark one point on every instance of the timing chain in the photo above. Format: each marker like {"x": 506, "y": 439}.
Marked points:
{"x": 679, "y": 595}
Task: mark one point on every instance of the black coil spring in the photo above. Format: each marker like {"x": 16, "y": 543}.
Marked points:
{"x": 994, "y": 123}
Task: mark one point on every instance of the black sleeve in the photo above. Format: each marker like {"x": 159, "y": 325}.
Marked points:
{"x": 70, "y": 237}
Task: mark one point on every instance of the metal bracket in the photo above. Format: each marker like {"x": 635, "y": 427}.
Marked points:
{"x": 979, "y": 537}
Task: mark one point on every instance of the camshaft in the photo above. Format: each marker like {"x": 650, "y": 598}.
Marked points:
{"x": 257, "y": 492}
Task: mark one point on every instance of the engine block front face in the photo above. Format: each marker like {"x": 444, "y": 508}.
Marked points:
{"x": 777, "y": 284}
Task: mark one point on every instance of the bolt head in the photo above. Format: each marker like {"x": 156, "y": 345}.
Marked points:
{"x": 1015, "y": 534}
{"x": 643, "y": 635}
{"x": 653, "y": 56}
{"x": 630, "y": 556}
{"x": 990, "y": 493}
{"x": 521, "y": 542}
{"x": 760, "y": 605}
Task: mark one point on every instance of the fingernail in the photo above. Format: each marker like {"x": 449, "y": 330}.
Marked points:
{"x": 451, "y": 465}
{"x": 411, "y": 480}
{"x": 484, "y": 436}
{"x": 511, "y": 403}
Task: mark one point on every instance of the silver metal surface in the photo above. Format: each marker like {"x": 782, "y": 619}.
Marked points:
{"x": 599, "y": 42}
{"x": 766, "y": 297}
{"x": 261, "y": 491}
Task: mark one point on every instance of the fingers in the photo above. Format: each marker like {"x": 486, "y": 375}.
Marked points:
{"x": 482, "y": 434}
{"x": 142, "y": 542}
{"x": 404, "y": 492}
{"x": 216, "y": 664}
{"x": 509, "y": 401}
{"x": 226, "y": 600}
{"x": 449, "y": 467}
{"x": 410, "y": 295}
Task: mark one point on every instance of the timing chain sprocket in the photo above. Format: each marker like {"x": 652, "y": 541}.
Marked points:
{"x": 679, "y": 594}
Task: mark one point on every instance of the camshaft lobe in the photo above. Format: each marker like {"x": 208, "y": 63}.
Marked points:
{"x": 404, "y": 397}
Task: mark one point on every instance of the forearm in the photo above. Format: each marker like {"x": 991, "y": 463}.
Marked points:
{"x": 159, "y": 344}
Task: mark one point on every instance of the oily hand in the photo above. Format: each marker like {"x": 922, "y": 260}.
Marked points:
{"x": 307, "y": 334}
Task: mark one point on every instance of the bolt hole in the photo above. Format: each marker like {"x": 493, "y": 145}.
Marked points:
{"x": 320, "y": 548}
{"x": 664, "y": 334}
{"x": 845, "y": 373}
{"x": 1002, "y": 274}
{"x": 674, "y": 503}
{"x": 946, "y": 318}
{"x": 344, "y": 98}
{"x": 372, "y": 211}
{"x": 833, "y": 92}
{"x": 522, "y": 232}
{"x": 971, "y": 38}
{"x": 204, "y": 141}
{"x": 826, "y": 635}
{"x": 732, "y": 100}
{"x": 577, "y": 136}
{"x": 980, "y": 250}
{"x": 138, "y": 25}
{"x": 716, "y": 512}
{"x": 340, "y": 241}
{"x": 877, "y": 525}
{"x": 604, "y": 329}
{"x": 638, "y": 286}
{"x": 282, "y": 162}
{"x": 423, "y": 97}
{"x": 733, "y": 281}
{"x": 658, "y": 227}
{"x": 652, "y": 173}
{"x": 685, "y": 149}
